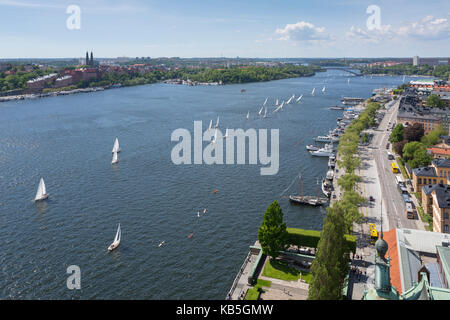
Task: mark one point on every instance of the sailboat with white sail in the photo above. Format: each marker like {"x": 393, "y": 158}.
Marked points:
{"x": 116, "y": 147}
{"x": 217, "y": 123}
{"x": 260, "y": 110}
{"x": 348, "y": 80}
{"x": 115, "y": 158}
{"x": 323, "y": 89}
{"x": 290, "y": 99}
{"x": 210, "y": 125}
{"x": 215, "y": 137}
{"x": 264, "y": 104}
{"x": 116, "y": 241}
{"x": 226, "y": 134}
{"x": 276, "y": 102}
{"x": 265, "y": 112}
{"x": 41, "y": 193}
{"x": 248, "y": 115}
{"x": 299, "y": 98}
{"x": 313, "y": 90}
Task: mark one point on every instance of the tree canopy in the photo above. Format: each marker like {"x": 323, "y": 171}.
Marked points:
{"x": 272, "y": 234}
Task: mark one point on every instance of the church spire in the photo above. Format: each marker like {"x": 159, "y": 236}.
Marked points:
{"x": 87, "y": 58}
{"x": 92, "y": 60}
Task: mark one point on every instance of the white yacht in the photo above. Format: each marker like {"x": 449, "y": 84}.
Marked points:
{"x": 323, "y": 152}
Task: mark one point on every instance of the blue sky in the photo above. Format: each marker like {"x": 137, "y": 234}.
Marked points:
{"x": 198, "y": 28}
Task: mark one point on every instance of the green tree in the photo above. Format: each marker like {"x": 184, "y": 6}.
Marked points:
{"x": 432, "y": 138}
{"x": 397, "y": 133}
{"x": 330, "y": 266}
{"x": 348, "y": 181}
{"x": 410, "y": 148}
{"x": 272, "y": 234}
{"x": 421, "y": 158}
{"x": 435, "y": 101}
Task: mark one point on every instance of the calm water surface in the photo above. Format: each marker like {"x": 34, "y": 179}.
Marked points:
{"x": 68, "y": 141}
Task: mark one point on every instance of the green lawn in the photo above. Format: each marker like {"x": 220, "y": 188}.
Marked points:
{"x": 280, "y": 270}
{"x": 253, "y": 293}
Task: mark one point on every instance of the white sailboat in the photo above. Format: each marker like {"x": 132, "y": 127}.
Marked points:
{"x": 260, "y": 111}
{"x": 265, "y": 102}
{"x": 248, "y": 115}
{"x": 265, "y": 112}
{"x": 299, "y": 98}
{"x": 276, "y": 102}
{"x": 115, "y": 158}
{"x": 116, "y": 241}
{"x": 215, "y": 137}
{"x": 160, "y": 244}
{"x": 323, "y": 89}
{"x": 226, "y": 134}
{"x": 313, "y": 90}
{"x": 41, "y": 193}
{"x": 116, "y": 147}
{"x": 348, "y": 80}
{"x": 290, "y": 99}
{"x": 217, "y": 123}
{"x": 210, "y": 125}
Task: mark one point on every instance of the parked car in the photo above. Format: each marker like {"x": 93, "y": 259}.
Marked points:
{"x": 387, "y": 145}
{"x": 371, "y": 198}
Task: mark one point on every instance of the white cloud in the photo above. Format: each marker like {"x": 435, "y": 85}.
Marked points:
{"x": 303, "y": 31}
{"x": 427, "y": 28}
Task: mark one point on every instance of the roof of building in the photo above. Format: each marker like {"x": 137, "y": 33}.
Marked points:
{"x": 443, "y": 197}
{"x": 425, "y": 172}
{"x": 391, "y": 238}
{"x": 428, "y": 189}
{"x": 441, "y": 163}
{"x": 441, "y": 151}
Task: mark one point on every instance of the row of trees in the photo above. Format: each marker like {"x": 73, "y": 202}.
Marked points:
{"x": 411, "y": 143}
{"x": 442, "y": 71}
{"x": 330, "y": 267}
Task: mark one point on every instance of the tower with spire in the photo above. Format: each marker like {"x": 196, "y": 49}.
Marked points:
{"x": 382, "y": 288}
{"x": 92, "y": 60}
{"x": 87, "y": 58}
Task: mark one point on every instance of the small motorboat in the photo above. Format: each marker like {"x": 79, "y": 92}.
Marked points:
{"x": 312, "y": 148}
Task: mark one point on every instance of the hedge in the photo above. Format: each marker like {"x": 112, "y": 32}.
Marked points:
{"x": 310, "y": 238}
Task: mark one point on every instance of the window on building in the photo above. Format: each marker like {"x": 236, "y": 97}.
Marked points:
{"x": 429, "y": 181}
{"x": 446, "y": 228}
{"x": 419, "y": 181}
{"x": 434, "y": 181}
{"x": 445, "y": 215}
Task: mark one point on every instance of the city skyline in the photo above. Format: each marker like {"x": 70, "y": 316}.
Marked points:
{"x": 262, "y": 29}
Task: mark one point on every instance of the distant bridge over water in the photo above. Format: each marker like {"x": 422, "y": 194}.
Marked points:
{"x": 349, "y": 70}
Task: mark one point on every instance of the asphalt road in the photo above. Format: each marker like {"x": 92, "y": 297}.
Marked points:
{"x": 391, "y": 198}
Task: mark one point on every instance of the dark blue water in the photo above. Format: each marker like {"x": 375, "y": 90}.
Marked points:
{"x": 68, "y": 141}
